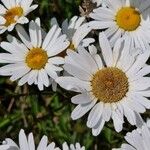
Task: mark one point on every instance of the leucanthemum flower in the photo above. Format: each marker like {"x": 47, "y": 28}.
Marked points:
{"x": 77, "y": 146}
{"x": 138, "y": 139}
{"x": 112, "y": 87}
{"x": 124, "y": 18}
{"x": 34, "y": 60}
{"x": 13, "y": 12}
{"x": 76, "y": 30}
{"x": 27, "y": 143}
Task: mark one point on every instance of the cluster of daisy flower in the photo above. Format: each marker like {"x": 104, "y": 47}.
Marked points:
{"x": 111, "y": 80}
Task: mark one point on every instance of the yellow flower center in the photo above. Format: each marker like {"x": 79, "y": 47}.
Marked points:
{"x": 36, "y": 58}
{"x": 109, "y": 85}
{"x": 71, "y": 46}
{"x": 11, "y": 14}
{"x": 128, "y": 18}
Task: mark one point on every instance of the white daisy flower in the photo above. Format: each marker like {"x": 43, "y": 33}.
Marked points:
{"x": 76, "y": 30}
{"x": 138, "y": 139}
{"x": 112, "y": 87}
{"x": 77, "y": 146}
{"x": 123, "y": 18}
{"x": 13, "y": 12}
{"x": 27, "y": 143}
{"x": 34, "y": 60}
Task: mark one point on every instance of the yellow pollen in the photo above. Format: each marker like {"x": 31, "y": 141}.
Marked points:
{"x": 36, "y": 58}
{"x": 71, "y": 47}
{"x": 11, "y": 14}
{"x": 109, "y": 85}
{"x": 128, "y": 18}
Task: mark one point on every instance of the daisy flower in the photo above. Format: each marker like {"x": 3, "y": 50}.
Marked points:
{"x": 34, "y": 60}
{"x": 124, "y": 18}
{"x": 13, "y": 12}
{"x": 27, "y": 143}
{"x": 76, "y": 30}
{"x": 77, "y": 146}
{"x": 138, "y": 139}
{"x": 112, "y": 87}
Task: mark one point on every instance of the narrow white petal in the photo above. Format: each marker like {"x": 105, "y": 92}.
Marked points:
{"x": 23, "y": 141}
{"x": 31, "y": 142}
{"x": 106, "y": 49}
{"x": 81, "y": 110}
{"x": 73, "y": 84}
{"x": 95, "y": 115}
{"x": 83, "y": 98}
{"x": 24, "y": 36}
{"x": 98, "y": 128}
{"x": 43, "y": 143}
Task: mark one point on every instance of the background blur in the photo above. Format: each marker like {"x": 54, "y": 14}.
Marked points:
{"x": 47, "y": 112}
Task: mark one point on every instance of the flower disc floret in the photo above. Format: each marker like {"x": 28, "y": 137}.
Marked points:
{"x": 109, "y": 85}
{"x": 128, "y": 18}
{"x": 36, "y": 58}
{"x": 11, "y": 14}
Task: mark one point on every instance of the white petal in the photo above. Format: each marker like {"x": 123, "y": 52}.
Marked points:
{"x": 58, "y": 46}
{"x": 95, "y": 115}
{"x": 98, "y": 128}
{"x": 19, "y": 73}
{"x": 141, "y": 84}
{"x": 43, "y": 143}
{"x": 49, "y": 36}
{"x": 117, "y": 120}
{"x": 10, "y": 142}
{"x": 77, "y": 72}
{"x": 88, "y": 58}
{"x": 24, "y": 36}
{"x": 2, "y": 9}
{"x": 73, "y": 84}
{"x": 6, "y": 3}
{"x": 33, "y": 33}
{"x": 106, "y": 49}
{"x": 23, "y": 140}
{"x": 101, "y": 24}
{"x": 83, "y": 98}
{"x": 44, "y": 77}
{"x": 31, "y": 142}
{"x": 129, "y": 114}
{"x": 57, "y": 60}
{"x": 139, "y": 63}
{"x": 107, "y": 112}
{"x": 81, "y": 110}
{"x": 23, "y": 80}
{"x": 80, "y": 34}
{"x": 50, "y": 71}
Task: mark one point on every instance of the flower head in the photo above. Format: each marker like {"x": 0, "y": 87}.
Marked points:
{"x": 13, "y": 12}
{"x": 33, "y": 60}
{"x": 124, "y": 19}
{"x": 112, "y": 87}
